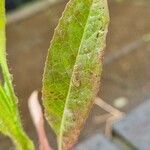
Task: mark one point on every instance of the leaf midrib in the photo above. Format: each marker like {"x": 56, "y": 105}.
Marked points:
{"x": 70, "y": 85}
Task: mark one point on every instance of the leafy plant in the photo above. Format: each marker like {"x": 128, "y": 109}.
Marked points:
{"x": 10, "y": 123}
{"x": 71, "y": 77}
{"x": 73, "y": 67}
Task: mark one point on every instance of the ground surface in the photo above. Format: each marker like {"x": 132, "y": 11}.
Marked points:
{"x": 127, "y": 76}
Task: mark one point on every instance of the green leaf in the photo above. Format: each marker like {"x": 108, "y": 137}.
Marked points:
{"x": 10, "y": 123}
{"x": 73, "y": 67}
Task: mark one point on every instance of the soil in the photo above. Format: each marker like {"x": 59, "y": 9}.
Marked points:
{"x": 129, "y": 76}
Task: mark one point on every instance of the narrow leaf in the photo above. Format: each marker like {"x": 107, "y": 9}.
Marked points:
{"x": 73, "y": 67}
{"x": 10, "y": 123}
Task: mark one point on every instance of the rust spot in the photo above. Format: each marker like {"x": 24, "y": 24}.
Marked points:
{"x": 76, "y": 79}
{"x": 101, "y": 56}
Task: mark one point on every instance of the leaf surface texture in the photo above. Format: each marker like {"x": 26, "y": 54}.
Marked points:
{"x": 73, "y": 67}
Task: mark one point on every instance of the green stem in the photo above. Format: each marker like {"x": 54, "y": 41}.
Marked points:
{"x": 21, "y": 141}
{"x": 11, "y": 123}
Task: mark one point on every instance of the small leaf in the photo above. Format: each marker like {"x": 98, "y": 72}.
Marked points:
{"x": 73, "y": 67}
{"x": 10, "y": 123}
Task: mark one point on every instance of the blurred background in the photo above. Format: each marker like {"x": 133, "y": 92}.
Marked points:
{"x": 13, "y": 4}
{"x": 126, "y": 77}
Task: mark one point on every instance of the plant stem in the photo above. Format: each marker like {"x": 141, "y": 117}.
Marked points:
{"x": 21, "y": 141}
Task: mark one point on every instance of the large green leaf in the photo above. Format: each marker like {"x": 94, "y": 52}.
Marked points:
{"x": 73, "y": 67}
{"x": 10, "y": 123}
